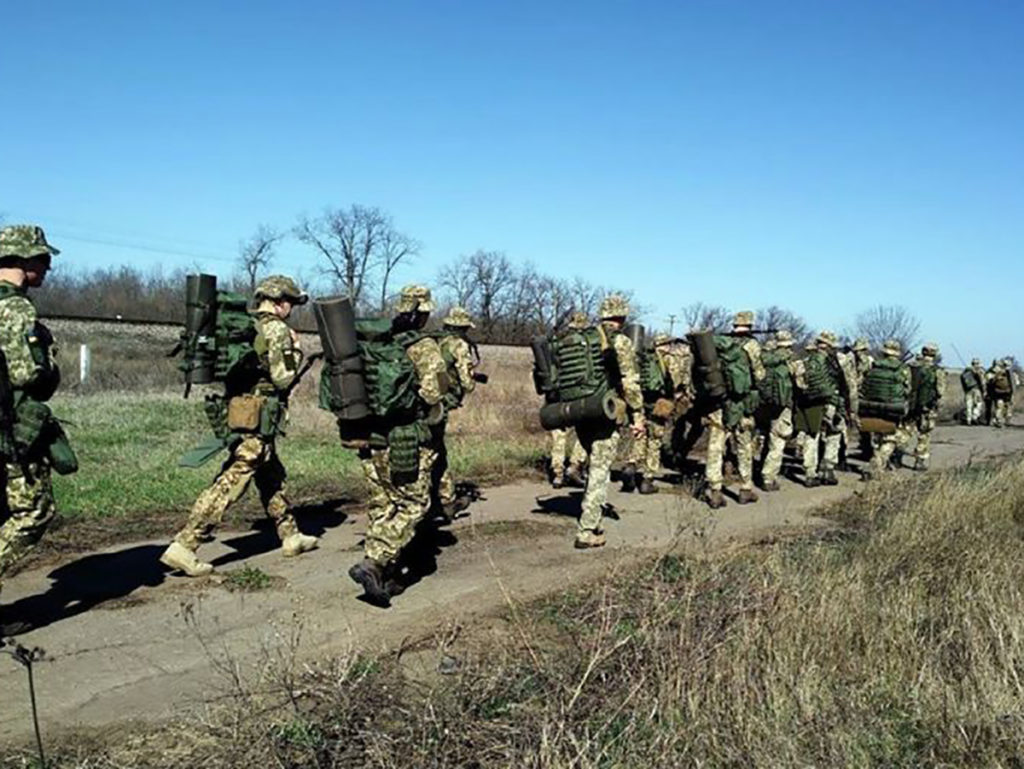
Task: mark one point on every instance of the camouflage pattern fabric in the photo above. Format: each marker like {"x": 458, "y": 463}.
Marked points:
{"x": 742, "y": 437}
{"x": 974, "y": 406}
{"x": 459, "y": 317}
{"x": 559, "y": 442}
{"x": 780, "y": 432}
{"x": 601, "y": 445}
{"x": 629, "y": 372}
{"x": 283, "y": 358}
{"x": 254, "y": 459}
{"x": 24, "y": 241}
{"x": 614, "y": 306}
{"x": 30, "y": 508}
{"x": 392, "y": 519}
{"x": 415, "y": 298}
{"x": 925, "y": 423}
{"x": 281, "y": 287}
{"x": 883, "y": 447}
{"x": 645, "y": 451}
{"x": 17, "y": 324}
{"x": 1000, "y": 412}
{"x": 462, "y": 354}
{"x": 442, "y": 480}
{"x": 431, "y": 370}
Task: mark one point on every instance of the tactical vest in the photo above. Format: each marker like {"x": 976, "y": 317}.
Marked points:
{"x": 739, "y": 379}
{"x": 1002, "y": 384}
{"x": 581, "y": 364}
{"x": 821, "y": 376}
{"x": 883, "y": 392}
{"x": 40, "y": 344}
{"x": 777, "y": 386}
{"x": 925, "y": 389}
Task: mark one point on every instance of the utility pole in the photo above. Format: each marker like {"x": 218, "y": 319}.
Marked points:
{"x": 671, "y": 325}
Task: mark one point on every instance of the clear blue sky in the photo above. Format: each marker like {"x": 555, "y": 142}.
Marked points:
{"x": 824, "y": 156}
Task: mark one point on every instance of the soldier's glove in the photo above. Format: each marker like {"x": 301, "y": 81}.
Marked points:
{"x": 663, "y": 408}
{"x": 436, "y": 414}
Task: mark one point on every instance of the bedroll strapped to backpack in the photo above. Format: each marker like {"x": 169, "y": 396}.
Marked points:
{"x": 578, "y": 379}
{"x": 218, "y": 336}
{"x": 882, "y": 393}
{"x": 776, "y": 388}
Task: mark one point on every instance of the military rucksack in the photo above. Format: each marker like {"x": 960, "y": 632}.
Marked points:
{"x": 969, "y": 380}
{"x": 739, "y": 380}
{"x": 654, "y": 379}
{"x": 1002, "y": 384}
{"x": 924, "y": 390}
{"x": 580, "y": 364}
{"x": 226, "y": 354}
{"x": 883, "y": 394}
{"x": 820, "y": 380}
{"x": 777, "y": 386}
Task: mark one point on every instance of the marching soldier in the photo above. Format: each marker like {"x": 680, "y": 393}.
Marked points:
{"x": 999, "y": 379}
{"x": 890, "y": 386}
{"x": 781, "y": 374}
{"x": 573, "y": 475}
{"x": 929, "y": 387}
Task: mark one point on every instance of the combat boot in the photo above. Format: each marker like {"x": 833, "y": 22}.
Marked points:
{"x": 589, "y": 539}
{"x": 557, "y": 483}
{"x": 828, "y": 478}
{"x": 812, "y": 482}
{"x": 298, "y": 543}
{"x": 629, "y": 478}
{"x": 180, "y": 558}
{"x": 370, "y": 575}
{"x": 746, "y": 496}
{"x": 394, "y": 582}
{"x": 920, "y": 465}
{"x": 574, "y": 477}
{"x": 771, "y": 485}
{"x": 715, "y": 499}
{"x": 647, "y": 486}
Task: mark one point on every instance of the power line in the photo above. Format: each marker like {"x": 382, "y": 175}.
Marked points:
{"x": 140, "y": 247}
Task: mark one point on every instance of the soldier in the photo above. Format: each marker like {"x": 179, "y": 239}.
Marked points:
{"x": 399, "y": 473}
{"x": 574, "y": 474}
{"x": 999, "y": 380}
{"x": 600, "y": 439}
{"x": 735, "y": 420}
{"x": 462, "y": 358}
{"x": 894, "y": 391}
{"x": 830, "y": 378}
{"x": 664, "y": 377}
{"x": 253, "y": 454}
{"x": 781, "y": 373}
{"x": 929, "y": 381}
{"x": 972, "y": 379}
{"x": 32, "y": 375}
{"x": 862, "y": 358}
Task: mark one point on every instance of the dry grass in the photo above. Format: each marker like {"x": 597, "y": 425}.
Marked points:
{"x": 895, "y": 640}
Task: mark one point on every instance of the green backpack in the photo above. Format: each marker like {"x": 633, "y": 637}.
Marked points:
{"x": 777, "y": 386}
{"x": 925, "y": 389}
{"x": 230, "y": 350}
{"x": 882, "y": 392}
{"x": 1001, "y": 384}
{"x": 579, "y": 363}
{"x": 820, "y": 380}
{"x": 654, "y": 380}
{"x": 739, "y": 380}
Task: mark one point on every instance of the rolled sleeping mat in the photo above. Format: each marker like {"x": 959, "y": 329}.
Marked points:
{"x": 636, "y": 334}
{"x": 595, "y": 408}
{"x": 201, "y": 326}
{"x": 336, "y": 323}
{"x": 542, "y": 364}
{"x": 708, "y": 368}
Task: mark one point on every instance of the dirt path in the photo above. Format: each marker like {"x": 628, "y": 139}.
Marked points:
{"x": 125, "y": 641}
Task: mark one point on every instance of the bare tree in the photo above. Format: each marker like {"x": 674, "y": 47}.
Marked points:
{"x": 884, "y": 322}
{"x": 349, "y": 240}
{"x": 493, "y": 275}
{"x": 698, "y": 316}
{"x": 256, "y": 253}
{"x": 393, "y": 249}
{"x": 456, "y": 281}
{"x": 780, "y": 318}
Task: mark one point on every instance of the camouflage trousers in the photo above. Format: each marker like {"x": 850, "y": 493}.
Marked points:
{"x": 883, "y": 447}
{"x": 923, "y": 429}
{"x": 395, "y": 510}
{"x": 821, "y": 452}
{"x": 742, "y": 436}
{"x": 1000, "y": 411}
{"x": 780, "y": 432}
{"x": 645, "y": 452}
{"x": 28, "y": 511}
{"x": 559, "y": 443}
{"x": 443, "y": 482}
{"x": 601, "y": 444}
{"x": 254, "y": 458}
{"x": 974, "y": 406}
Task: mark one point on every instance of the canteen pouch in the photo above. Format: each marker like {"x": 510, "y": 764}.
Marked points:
{"x": 39, "y": 435}
{"x": 217, "y": 415}
{"x": 245, "y": 413}
{"x": 62, "y": 456}
{"x": 271, "y": 414}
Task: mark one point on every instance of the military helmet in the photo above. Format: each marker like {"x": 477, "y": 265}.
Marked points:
{"x": 783, "y": 338}
{"x": 1007, "y": 362}
{"x": 975, "y": 361}
{"x": 827, "y": 338}
{"x": 861, "y": 345}
{"x": 930, "y": 349}
{"x": 743, "y": 319}
{"x": 892, "y": 347}
{"x": 661, "y": 338}
{"x": 459, "y": 317}
{"x": 25, "y": 241}
{"x": 579, "y": 320}
{"x": 281, "y": 287}
{"x": 614, "y": 306}
{"x": 414, "y": 298}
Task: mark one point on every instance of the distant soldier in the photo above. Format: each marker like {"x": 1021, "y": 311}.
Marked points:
{"x": 462, "y": 358}
{"x": 664, "y": 377}
{"x": 399, "y": 472}
{"x": 929, "y": 386}
{"x": 999, "y": 380}
{"x": 253, "y": 456}
{"x": 600, "y": 439}
{"x": 862, "y": 358}
{"x": 972, "y": 380}
{"x": 34, "y": 443}
{"x": 560, "y": 438}
{"x": 777, "y": 390}
{"x": 734, "y": 420}
{"x": 888, "y": 383}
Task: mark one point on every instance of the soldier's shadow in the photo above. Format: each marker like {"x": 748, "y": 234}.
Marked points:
{"x": 419, "y": 557}
{"x": 568, "y": 505}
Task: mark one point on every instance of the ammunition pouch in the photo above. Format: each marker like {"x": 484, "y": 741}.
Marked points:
{"x": 404, "y": 452}
{"x": 216, "y": 412}
{"x": 40, "y": 437}
{"x": 245, "y": 413}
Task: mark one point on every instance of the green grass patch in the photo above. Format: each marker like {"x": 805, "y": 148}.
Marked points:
{"x": 247, "y": 579}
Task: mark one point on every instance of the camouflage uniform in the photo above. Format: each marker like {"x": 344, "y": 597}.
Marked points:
{"x": 974, "y": 396}
{"x": 601, "y": 439}
{"x": 782, "y": 425}
{"x": 29, "y": 505}
{"x": 1000, "y": 403}
{"x": 741, "y": 434}
{"x": 253, "y": 457}
{"x": 925, "y": 422}
{"x": 398, "y": 507}
{"x": 456, "y": 349}
{"x": 883, "y": 445}
{"x": 675, "y": 362}
{"x": 560, "y": 437}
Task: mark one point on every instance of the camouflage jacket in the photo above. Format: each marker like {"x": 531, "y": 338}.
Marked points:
{"x": 628, "y": 380}
{"x": 431, "y": 371}
{"x": 26, "y": 343}
{"x": 462, "y": 355}
{"x": 278, "y": 348}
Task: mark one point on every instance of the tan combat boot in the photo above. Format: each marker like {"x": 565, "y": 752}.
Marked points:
{"x": 180, "y": 558}
{"x": 715, "y": 499}
{"x": 588, "y": 539}
{"x": 746, "y": 496}
{"x": 298, "y": 543}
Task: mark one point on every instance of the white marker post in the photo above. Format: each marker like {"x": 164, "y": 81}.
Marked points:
{"x": 84, "y": 363}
